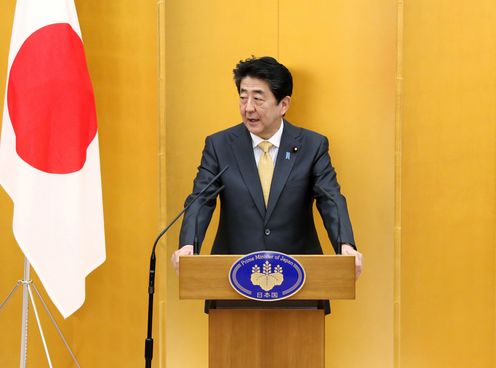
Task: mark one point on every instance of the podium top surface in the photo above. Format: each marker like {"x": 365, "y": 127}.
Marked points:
{"x": 207, "y": 277}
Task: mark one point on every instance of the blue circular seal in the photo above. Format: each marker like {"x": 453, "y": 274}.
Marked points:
{"x": 267, "y": 276}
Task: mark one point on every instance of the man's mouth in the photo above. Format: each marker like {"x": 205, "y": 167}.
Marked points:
{"x": 252, "y": 121}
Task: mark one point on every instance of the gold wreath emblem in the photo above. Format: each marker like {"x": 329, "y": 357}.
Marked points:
{"x": 266, "y": 279}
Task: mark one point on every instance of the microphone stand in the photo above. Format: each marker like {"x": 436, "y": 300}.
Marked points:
{"x": 151, "y": 279}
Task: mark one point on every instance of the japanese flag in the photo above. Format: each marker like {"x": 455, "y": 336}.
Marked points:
{"x": 49, "y": 160}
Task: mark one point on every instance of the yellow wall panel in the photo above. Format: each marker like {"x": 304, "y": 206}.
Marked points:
{"x": 449, "y": 185}
{"x": 121, "y": 46}
{"x": 343, "y": 58}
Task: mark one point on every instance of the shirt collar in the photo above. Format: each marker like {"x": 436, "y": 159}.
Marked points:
{"x": 275, "y": 139}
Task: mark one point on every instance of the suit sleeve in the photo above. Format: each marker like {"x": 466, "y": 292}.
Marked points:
{"x": 334, "y": 215}
{"x": 209, "y": 167}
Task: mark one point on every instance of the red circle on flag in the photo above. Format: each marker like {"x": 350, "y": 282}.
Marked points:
{"x": 50, "y": 100}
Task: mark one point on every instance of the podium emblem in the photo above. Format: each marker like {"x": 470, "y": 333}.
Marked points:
{"x": 267, "y": 276}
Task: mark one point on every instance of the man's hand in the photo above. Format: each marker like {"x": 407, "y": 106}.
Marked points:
{"x": 186, "y": 250}
{"x": 348, "y": 250}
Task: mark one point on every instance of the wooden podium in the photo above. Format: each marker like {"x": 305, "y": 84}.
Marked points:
{"x": 267, "y": 334}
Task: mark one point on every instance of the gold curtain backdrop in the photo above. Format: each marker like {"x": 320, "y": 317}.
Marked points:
{"x": 405, "y": 91}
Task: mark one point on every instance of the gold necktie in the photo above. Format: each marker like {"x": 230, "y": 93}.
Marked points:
{"x": 265, "y": 169}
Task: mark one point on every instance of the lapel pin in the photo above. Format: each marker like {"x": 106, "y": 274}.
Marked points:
{"x": 288, "y": 155}
{"x": 295, "y": 149}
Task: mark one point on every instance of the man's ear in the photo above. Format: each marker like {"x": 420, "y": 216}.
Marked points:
{"x": 285, "y": 102}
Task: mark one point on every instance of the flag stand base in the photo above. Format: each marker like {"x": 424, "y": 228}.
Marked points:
{"x": 27, "y": 295}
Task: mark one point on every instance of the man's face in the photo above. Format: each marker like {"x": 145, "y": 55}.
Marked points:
{"x": 259, "y": 108}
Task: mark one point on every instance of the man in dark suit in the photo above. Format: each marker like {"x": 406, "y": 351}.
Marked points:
{"x": 276, "y": 171}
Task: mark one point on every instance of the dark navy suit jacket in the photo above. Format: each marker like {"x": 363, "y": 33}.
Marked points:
{"x": 287, "y": 224}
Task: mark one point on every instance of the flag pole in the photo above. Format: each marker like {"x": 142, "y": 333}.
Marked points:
{"x": 26, "y": 297}
{"x": 25, "y": 311}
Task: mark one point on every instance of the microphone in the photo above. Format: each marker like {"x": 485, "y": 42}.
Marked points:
{"x": 151, "y": 279}
{"x": 196, "y": 248}
{"x": 331, "y": 198}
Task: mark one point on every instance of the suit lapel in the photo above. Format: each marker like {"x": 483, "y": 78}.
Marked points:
{"x": 242, "y": 148}
{"x": 286, "y": 159}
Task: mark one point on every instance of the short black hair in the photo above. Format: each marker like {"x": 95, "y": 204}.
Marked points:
{"x": 268, "y": 69}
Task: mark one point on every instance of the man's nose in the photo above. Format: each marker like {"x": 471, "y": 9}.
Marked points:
{"x": 250, "y": 106}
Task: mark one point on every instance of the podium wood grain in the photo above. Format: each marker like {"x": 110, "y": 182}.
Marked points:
{"x": 207, "y": 277}
{"x": 251, "y": 338}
